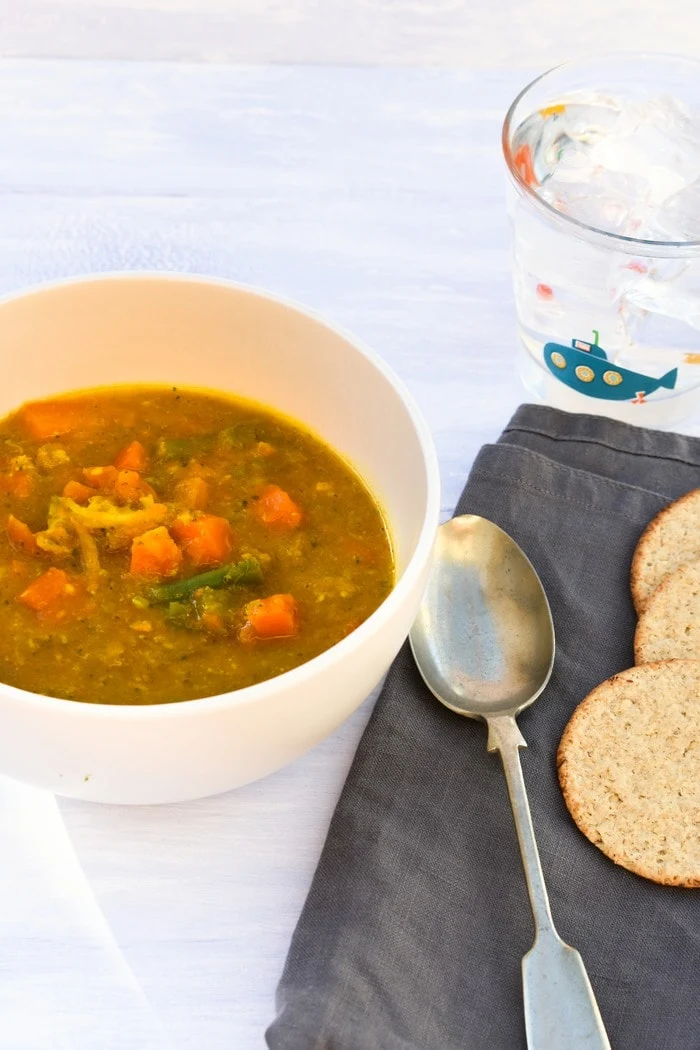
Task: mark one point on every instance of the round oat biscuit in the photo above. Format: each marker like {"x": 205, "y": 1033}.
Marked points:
{"x": 669, "y": 627}
{"x": 629, "y": 769}
{"x": 669, "y": 540}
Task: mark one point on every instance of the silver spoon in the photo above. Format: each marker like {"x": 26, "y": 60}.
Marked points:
{"x": 484, "y": 644}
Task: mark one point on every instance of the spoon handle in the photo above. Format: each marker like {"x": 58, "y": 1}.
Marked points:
{"x": 561, "y": 1012}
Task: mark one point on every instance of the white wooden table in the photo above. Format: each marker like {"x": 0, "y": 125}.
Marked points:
{"x": 371, "y": 194}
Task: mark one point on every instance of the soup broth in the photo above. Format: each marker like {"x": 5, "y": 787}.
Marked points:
{"x": 159, "y": 545}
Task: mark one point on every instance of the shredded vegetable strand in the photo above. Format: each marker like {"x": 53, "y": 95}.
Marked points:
{"x": 89, "y": 554}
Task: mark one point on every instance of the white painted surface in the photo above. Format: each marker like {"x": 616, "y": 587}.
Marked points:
{"x": 456, "y": 33}
{"x": 375, "y": 197}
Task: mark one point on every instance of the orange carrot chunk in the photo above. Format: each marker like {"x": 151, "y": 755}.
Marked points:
{"x": 20, "y": 484}
{"x": 155, "y": 553}
{"x": 276, "y": 507}
{"x": 21, "y": 536}
{"x": 192, "y": 492}
{"x": 43, "y": 420}
{"x": 78, "y": 492}
{"x": 273, "y": 617}
{"x": 102, "y": 478}
{"x": 207, "y": 540}
{"x": 133, "y": 457}
{"x": 130, "y": 487}
{"x": 49, "y": 592}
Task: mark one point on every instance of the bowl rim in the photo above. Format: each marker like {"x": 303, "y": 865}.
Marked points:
{"x": 298, "y": 676}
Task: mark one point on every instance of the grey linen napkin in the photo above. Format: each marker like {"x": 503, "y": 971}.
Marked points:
{"x": 417, "y": 919}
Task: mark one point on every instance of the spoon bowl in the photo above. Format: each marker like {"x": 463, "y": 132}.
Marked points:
{"x": 496, "y": 656}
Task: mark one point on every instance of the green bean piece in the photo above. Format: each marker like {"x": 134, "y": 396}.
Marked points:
{"x": 236, "y": 574}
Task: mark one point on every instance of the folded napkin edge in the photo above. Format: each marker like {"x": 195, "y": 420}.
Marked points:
{"x": 599, "y": 430}
{"x": 564, "y": 483}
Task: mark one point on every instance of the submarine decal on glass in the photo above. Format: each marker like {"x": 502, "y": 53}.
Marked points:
{"x": 585, "y": 367}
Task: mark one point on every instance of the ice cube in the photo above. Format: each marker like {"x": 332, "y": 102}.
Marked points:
{"x": 572, "y": 164}
{"x": 554, "y": 132}
{"x": 589, "y": 117}
{"x": 671, "y": 299}
{"x": 679, "y": 217}
{"x": 659, "y": 138}
{"x": 606, "y": 200}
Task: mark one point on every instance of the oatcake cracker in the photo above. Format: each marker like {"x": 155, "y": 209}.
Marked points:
{"x": 669, "y": 627}
{"x": 669, "y": 540}
{"x": 629, "y": 768}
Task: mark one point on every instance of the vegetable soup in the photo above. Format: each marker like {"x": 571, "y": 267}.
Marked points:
{"x": 163, "y": 544}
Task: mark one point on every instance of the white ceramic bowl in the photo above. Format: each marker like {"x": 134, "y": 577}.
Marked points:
{"x": 146, "y": 328}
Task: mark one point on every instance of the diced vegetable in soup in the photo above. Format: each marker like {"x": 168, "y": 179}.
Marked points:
{"x": 162, "y": 544}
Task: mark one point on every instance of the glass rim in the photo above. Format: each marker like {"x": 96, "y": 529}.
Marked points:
{"x": 645, "y": 245}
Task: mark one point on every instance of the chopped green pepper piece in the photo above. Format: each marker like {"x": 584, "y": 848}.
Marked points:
{"x": 240, "y": 434}
{"x": 182, "y": 448}
{"x": 177, "y": 613}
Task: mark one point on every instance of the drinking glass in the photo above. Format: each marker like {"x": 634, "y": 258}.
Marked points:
{"x": 603, "y": 156}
